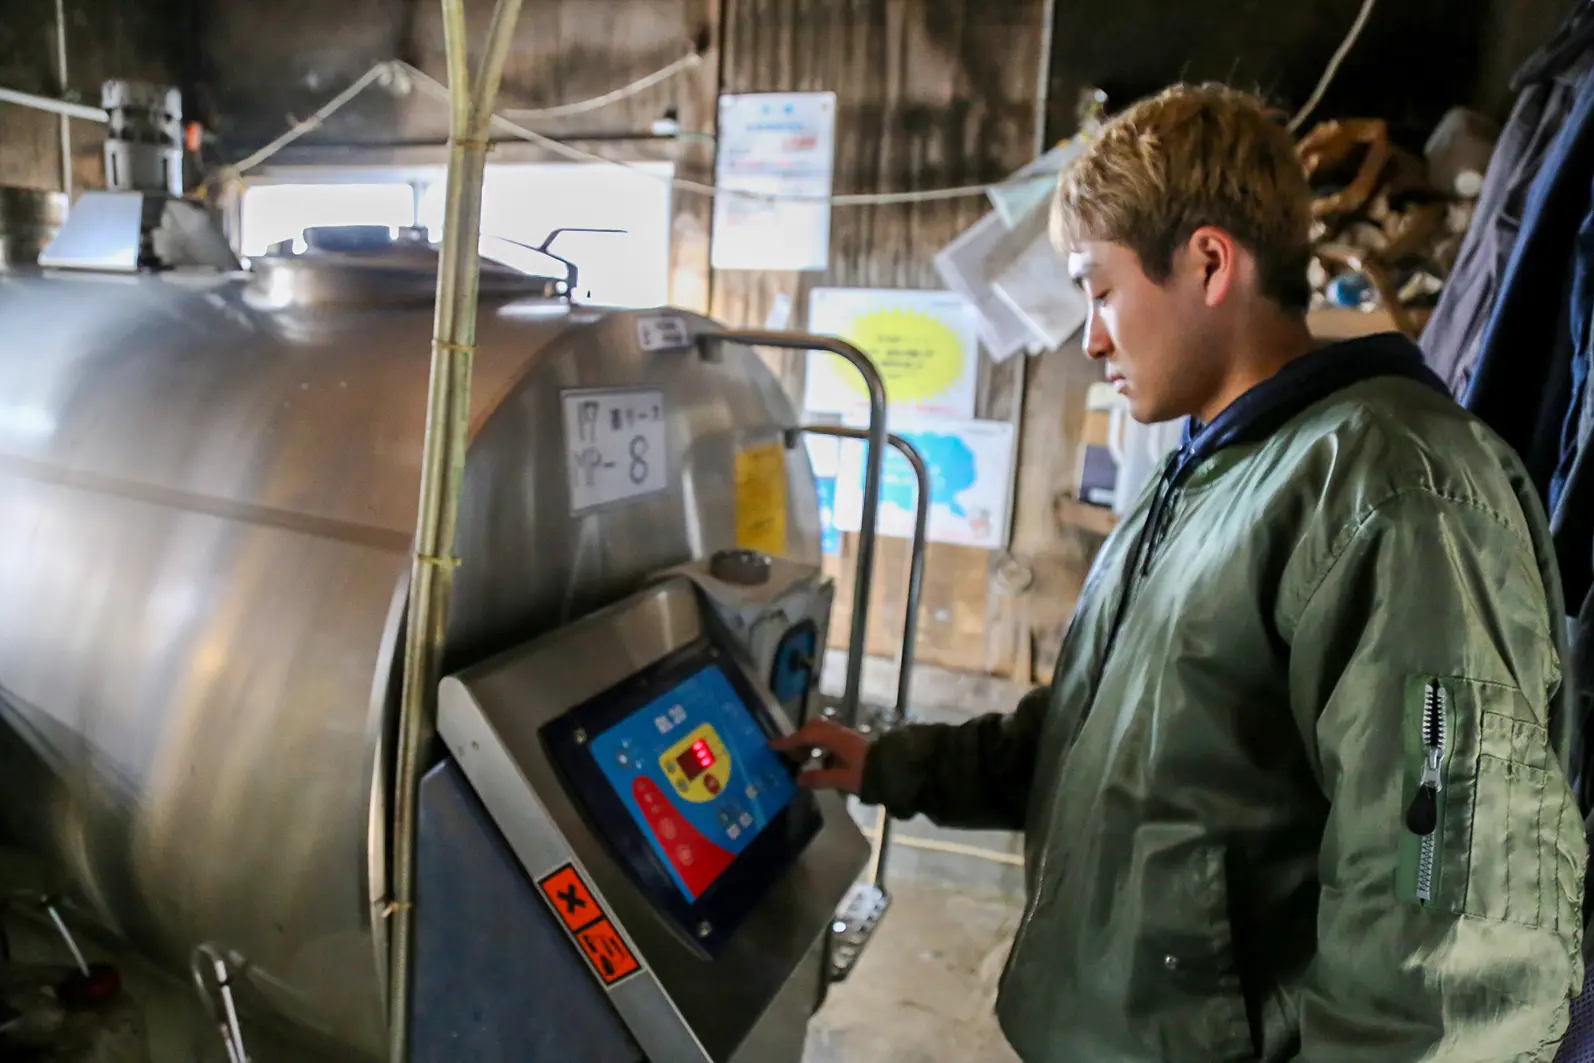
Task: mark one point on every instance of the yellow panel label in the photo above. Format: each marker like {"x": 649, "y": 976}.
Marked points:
{"x": 761, "y": 499}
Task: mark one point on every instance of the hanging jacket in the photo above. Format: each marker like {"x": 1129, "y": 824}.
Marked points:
{"x": 1523, "y": 385}
{"x": 1530, "y": 383}
{"x": 1547, "y": 86}
{"x": 1291, "y": 794}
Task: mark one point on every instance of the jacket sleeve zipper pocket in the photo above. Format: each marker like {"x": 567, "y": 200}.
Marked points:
{"x": 1423, "y": 814}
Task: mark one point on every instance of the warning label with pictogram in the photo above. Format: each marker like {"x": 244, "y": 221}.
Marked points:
{"x": 607, "y": 951}
{"x": 572, "y": 900}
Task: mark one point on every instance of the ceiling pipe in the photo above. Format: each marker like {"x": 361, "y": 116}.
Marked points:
{"x": 66, "y": 120}
{"x": 55, "y": 106}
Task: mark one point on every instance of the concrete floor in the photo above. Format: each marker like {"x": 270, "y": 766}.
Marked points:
{"x": 924, "y": 990}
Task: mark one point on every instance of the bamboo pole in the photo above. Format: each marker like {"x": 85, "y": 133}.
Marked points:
{"x": 442, "y": 470}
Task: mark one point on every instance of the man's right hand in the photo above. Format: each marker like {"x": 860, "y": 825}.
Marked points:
{"x": 844, "y": 751}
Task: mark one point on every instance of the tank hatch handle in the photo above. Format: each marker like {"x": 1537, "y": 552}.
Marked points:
{"x": 572, "y": 272}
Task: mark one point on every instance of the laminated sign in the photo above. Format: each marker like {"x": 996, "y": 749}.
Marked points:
{"x": 924, "y": 343}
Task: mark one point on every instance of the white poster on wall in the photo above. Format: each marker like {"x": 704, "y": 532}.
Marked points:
{"x": 925, "y": 344}
{"x": 780, "y": 145}
{"x": 971, "y": 482}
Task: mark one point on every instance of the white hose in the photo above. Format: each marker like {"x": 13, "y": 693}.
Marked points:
{"x": 1333, "y": 66}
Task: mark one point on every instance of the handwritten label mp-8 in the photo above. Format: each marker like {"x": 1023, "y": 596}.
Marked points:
{"x": 615, "y": 445}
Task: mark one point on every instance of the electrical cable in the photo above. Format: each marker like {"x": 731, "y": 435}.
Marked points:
{"x": 314, "y": 122}
{"x": 387, "y": 69}
{"x": 1333, "y": 66}
{"x": 436, "y": 89}
{"x": 642, "y": 84}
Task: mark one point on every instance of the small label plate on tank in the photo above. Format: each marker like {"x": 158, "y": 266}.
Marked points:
{"x": 615, "y": 445}
{"x": 663, "y": 332}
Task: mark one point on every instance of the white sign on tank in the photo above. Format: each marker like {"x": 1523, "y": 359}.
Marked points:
{"x": 615, "y": 446}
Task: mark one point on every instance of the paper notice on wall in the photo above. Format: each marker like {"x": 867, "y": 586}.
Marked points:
{"x": 829, "y": 534}
{"x": 925, "y": 344}
{"x": 781, "y": 146}
{"x": 971, "y": 482}
{"x": 823, "y": 450}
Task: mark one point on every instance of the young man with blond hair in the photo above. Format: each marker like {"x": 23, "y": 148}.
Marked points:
{"x": 1292, "y": 794}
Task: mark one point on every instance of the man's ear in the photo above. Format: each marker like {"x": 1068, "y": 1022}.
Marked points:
{"x": 1215, "y": 259}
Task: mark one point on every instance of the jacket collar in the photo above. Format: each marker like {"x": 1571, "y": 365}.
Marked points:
{"x": 1307, "y": 380}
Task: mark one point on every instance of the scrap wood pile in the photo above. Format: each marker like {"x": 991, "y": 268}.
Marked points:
{"x": 1387, "y": 224}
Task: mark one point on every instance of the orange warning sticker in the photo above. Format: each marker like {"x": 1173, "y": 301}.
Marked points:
{"x": 606, "y": 950}
{"x": 610, "y": 958}
{"x": 571, "y": 899}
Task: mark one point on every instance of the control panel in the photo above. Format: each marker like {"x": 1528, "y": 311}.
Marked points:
{"x": 626, "y": 761}
{"x": 696, "y": 772}
{"x": 674, "y": 769}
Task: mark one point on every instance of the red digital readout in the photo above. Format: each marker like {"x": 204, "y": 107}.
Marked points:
{"x": 697, "y": 759}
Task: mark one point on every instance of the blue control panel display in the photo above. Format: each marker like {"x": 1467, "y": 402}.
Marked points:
{"x": 696, "y": 774}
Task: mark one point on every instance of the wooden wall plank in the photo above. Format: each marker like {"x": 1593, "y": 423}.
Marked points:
{"x": 692, "y": 215}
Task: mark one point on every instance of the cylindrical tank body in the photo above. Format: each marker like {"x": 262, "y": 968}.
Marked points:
{"x": 207, "y": 513}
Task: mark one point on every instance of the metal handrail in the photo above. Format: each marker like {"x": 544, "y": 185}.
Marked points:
{"x": 873, "y": 463}
{"x": 910, "y": 622}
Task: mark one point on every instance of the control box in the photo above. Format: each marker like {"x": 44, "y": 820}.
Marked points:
{"x": 626, "y": 761}
{"x": 779, "y": 610}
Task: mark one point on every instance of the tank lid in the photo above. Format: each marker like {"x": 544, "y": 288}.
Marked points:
{"x": 351, "y": 238}
{"x": 744, "y": 568}
{"x": 366, "y": 272}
